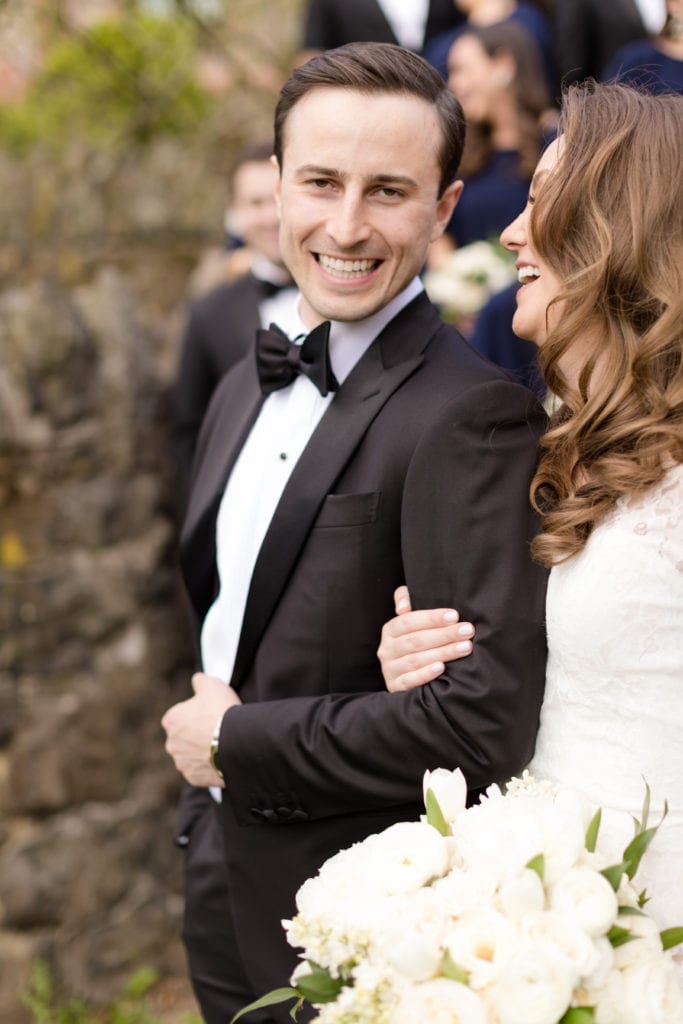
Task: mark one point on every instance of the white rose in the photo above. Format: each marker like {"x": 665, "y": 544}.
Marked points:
{"x": 586, "y": 897}
{"x": 440, "y": 1001}
{"x": 522, "y": 894}
{"x": 450, "y": 790}
{"x": 533, "y": 986}
{"x": 651, "y": 992}
{"x": 565, "y": 938}
{"x": 478, "y": 941}
{"x": 407, "y": 856}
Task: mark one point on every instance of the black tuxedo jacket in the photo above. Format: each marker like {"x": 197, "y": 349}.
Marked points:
{"x": 587, "y": 34}
{"x": 331, "y": 23}
{"x": 418, "y": 472}
{"x": 221, "y": 329}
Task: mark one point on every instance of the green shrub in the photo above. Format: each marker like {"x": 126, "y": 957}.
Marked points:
{"x": 125, "y": 81}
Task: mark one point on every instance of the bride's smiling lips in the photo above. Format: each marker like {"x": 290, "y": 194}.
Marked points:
{"x": 527, "y": 273}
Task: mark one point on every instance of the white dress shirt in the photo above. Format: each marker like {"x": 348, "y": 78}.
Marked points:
{"x": 277, "y": 439}
{"x": 408, "y": 20}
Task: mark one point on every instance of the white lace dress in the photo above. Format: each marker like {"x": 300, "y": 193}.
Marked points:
{"x": 612, "y": 715}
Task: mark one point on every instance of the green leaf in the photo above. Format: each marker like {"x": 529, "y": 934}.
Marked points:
{"x": 645, "y": 813}
{"x": 636, "y": 848}
{"x": 278, "y": 995}
{"x": 619, "y": 936}
{"x": 579, "y": 1015}
{"x": 613, "y": 874}
{"x": 319, "y": 986}
{"x": 671, "y": 937}
{"x": 435, "y": 814}
{"x": 631, "y": 912}
{"x": 643, "y": 898}
{"x": 454, "y": 971}
{"x": 592, "y": 831}
{"x": 537, "y": 864}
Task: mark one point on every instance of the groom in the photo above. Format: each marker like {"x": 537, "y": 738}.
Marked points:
{"x": 396, "y": 455}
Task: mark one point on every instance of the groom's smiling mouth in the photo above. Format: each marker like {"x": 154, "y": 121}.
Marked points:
{"x": 346, "y": 269}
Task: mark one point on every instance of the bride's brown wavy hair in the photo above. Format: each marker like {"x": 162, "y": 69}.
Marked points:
{"x": 609, "y": 222}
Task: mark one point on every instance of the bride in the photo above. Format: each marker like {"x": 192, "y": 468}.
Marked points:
{"x": 600, "y": 261}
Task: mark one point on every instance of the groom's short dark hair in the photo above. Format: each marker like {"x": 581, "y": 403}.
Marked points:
{"x": 379, "y": 68}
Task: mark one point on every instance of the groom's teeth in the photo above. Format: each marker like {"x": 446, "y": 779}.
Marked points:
{"x": 526, "y": 274}
{"x": 346, "y": 268}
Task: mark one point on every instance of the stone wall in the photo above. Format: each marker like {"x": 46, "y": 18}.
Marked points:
{"x": 93, "y": 639}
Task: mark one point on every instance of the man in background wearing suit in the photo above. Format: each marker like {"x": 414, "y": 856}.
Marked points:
{"x": 410, "y": 23}
{"x": 222, "y": 324}
{"x": 324, "y": 481}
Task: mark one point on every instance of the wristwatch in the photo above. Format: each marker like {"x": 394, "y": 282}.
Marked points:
{"x": 213, "y": 750}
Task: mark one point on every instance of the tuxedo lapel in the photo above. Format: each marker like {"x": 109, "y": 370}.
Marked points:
{"x": 393, "y": 357}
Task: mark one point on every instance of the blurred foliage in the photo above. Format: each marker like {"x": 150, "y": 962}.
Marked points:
{"x": 42, "y": 1000}
{"x": 125, "y": 81}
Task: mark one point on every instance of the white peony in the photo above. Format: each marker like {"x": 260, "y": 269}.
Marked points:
{"x": 587, "y": 898}
{"x": 646, "y": 944}
{"x": 651, "y": 992}
{"x": 450, "y": 790}
{"x": 565, "y": 938}
{"x": 440, "y": 1001}
{"x": 477, "y": 943}
{"x": 533, "y": 986}
{"x": 409, "y": 935}
{"x": 405, "y": 857}
{"x": 465, "y": 891}
{"x": 521, "y": 895}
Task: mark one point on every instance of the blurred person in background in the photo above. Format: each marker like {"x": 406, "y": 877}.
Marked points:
{"x": 222, "y": 324}
{"x": 656, "y": 62}
{"x": 478, "y": 13}
{"x": 588, "y": 33}
{"x": 408, "y": 23}
{"x": 495, "y": 73}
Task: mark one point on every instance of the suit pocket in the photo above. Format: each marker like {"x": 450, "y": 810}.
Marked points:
{"x": 348, "y": 510}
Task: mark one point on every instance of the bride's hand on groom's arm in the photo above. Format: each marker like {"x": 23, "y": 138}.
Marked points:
{"x": 416, "y": 645}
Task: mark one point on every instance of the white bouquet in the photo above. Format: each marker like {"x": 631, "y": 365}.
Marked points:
{"x": 502, "y": 913}
{"x": 468, "y": 277}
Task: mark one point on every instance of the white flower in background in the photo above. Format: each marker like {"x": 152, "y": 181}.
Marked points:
{"x": 450, "y": 790}
{"x": 478, "y": 943}
{"x": 469, "y": 276}
{"x": 533, "y": 986}
{"x": 440, "y": 1001}
{"x": 522, "y": 894}
{"x": 586, "y": 898}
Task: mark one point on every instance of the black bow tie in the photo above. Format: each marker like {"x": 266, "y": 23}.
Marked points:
{"x": 279, "y": 360}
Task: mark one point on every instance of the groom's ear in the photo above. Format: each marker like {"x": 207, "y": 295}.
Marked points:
{"x": 444, "y": 208}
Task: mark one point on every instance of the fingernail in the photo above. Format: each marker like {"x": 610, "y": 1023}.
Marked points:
{"x": 437, "y": 666}
{"x": 451, "y": 616}
{"x": 403, "y": 603}
{"x": 465, "y": 629}
{"x": 464, "y": 645}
